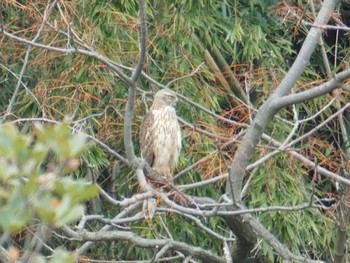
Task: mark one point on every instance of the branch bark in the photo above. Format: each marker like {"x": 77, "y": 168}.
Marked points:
{"x": 143, "y": 242}
{"x": 143, "y": 41}
{"x": 267, "y": 111}
{"x": 315, "y": 92}
{"x": 129, "y": 112}
{"x": 124, "y": 213}
{"x": 242, "y": 227}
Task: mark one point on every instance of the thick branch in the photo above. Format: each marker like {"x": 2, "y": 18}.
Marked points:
{"x": 144, "y": 242}
{"x": 127, "y": 201}
{"x": 267, "y": 112}
{"x": 315, "y": 92}
{"x": 123, "y": 214}
{"x": 129, "y": 112}
{"x": 142, "y": 40}
{"x": 281, "y": 249}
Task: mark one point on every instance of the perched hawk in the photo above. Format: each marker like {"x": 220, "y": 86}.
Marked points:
{"x": 160, "y": 136}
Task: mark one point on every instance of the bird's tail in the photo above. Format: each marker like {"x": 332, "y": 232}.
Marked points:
{"x": 149, "y": 207}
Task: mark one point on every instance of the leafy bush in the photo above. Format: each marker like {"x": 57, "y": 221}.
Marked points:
{"x": 35, "y": 186}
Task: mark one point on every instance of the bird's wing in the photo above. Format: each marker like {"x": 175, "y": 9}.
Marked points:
{"x": 146, "y": 138}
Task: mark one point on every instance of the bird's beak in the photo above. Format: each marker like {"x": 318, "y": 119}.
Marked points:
{"x": 175, "y": 102}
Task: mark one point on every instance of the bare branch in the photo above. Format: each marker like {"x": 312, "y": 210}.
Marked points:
{"x": 323, "y": 123}
{"x": 129, "y": 111}
{"x": 315, "y": 92}
{"x": 201, "y": 131}
{"x": 47, "y": 12}
{"x": 311, "y": 164}
{"x": 198, "y": 223}
{"x": 203, "y": 183}
{"x": 285, "y": 145}
{"x": 143, "y": 41}
{"x": 281, "y": 249}
{"x": 161, "y": 253}
{"x": 320, "y": 111}
{"x": 216, "y": 212}
{"x": 84, "y": 52}
{"x": 272, "y": 209}
{"x": 184, "y": 98}
{"x": 189, "y": 168}
{"x": 344, "y": 28}
{"x": 241, "y": 225}
{"x": 127, "y": 201}
{"x": 143, "y": 242}
{"x": 267, "y": 112}
{"x": 107, "y": 221}
{"x": 121, "y": 215}
{"x": 194, "y": 72}
{"x": 23, "y": 84}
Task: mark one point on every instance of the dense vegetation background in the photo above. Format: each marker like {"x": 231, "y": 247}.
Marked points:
{"x": 62, "y": 134}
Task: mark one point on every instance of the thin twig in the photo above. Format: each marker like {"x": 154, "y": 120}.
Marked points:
{"x": 194, "y": 72}
{"x": 344, "y": 28}
{"x": 84, "y": 52}
{"x": 47, "y": 12}
{"x": 23, "y": 84}
{"x": 325, "y": 122}
{"x": 198, "y": 223}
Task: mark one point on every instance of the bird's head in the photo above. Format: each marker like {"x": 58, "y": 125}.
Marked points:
{"x": 166, "y": 97}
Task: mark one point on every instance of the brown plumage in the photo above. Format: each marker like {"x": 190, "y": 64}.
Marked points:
{"x": 160, "y": 140}
{"x": 160, "y": 136}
